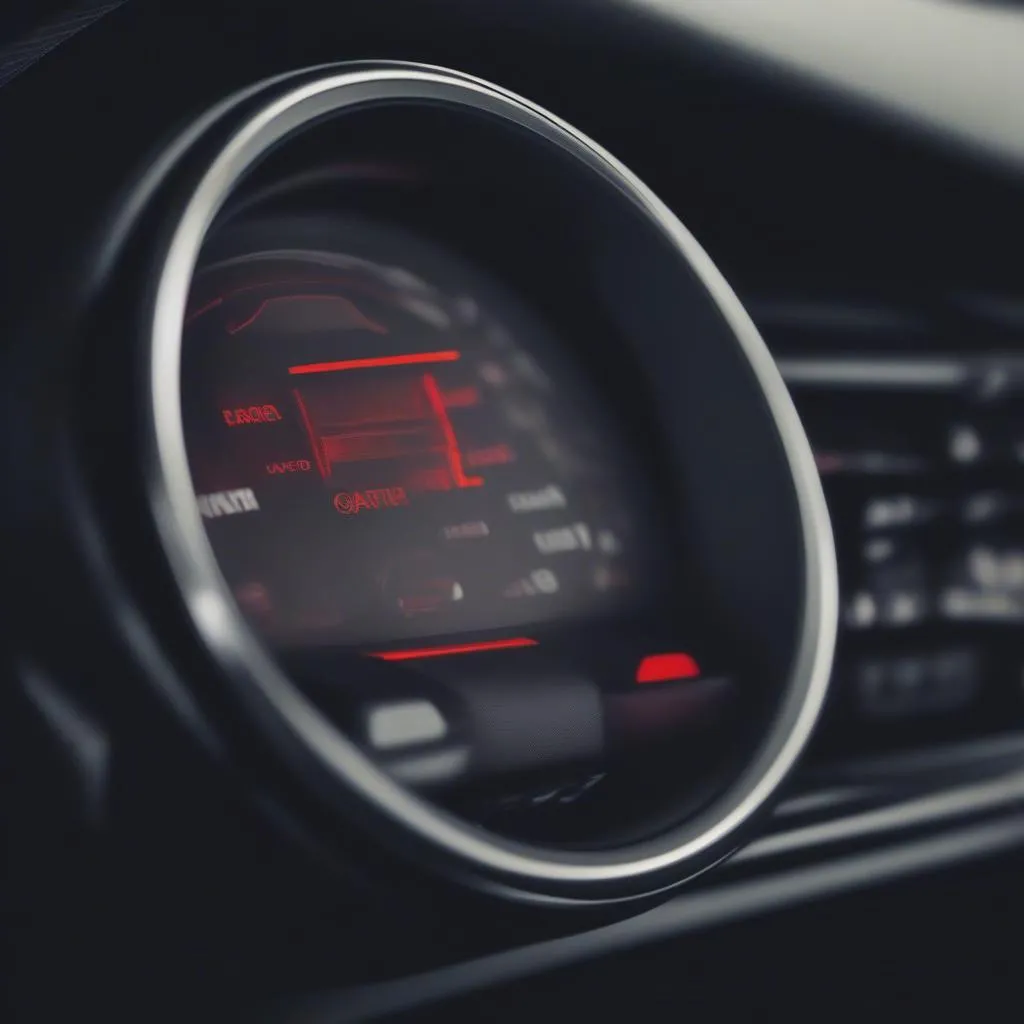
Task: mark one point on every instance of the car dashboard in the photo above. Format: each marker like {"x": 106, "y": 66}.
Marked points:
{"x": 507, "y": 493}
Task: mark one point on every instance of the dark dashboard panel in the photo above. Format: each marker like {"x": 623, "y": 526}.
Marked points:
{"x": 765, "y": 200}
{"x": 918, "y": 446}
{"x": 911, "y": 60}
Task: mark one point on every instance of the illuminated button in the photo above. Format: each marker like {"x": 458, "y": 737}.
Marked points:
{"x": 540, "y": 581}
{"x": 664, "y": 668}
{"x": 442, "y": 766}
{"x": 563, "y": 538}
{"x": 991, "y": 506}
{"x": 903, "y": 607}
{"x": 895, "y": 589}
{"x": 861, "y": 611}
{"x": 389, "y": 726}
{"x": 964, "y": 604}
{"x": 227, "y": 503}
{"x": 895, "y": 511}
{"x": 965, "y": 445}
{"x": 537, "y": 501}
{"x": 879, "y": 550}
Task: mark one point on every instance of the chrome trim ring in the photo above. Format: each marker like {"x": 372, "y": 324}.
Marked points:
{"x": 303, "y": 735}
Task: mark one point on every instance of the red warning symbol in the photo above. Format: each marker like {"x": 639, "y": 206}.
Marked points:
{"x": 350, "y": 503}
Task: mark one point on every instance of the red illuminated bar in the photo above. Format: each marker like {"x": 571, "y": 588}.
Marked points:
{"x": 375, "y": 362}
{"x": 414, "y": 653}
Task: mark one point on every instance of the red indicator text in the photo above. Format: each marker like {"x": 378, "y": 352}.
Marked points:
{"x": 664, "y": 668}
{"x": 251, "y": 414}
{"x": 291, "y": 466}
{"x": 350, "y": 503}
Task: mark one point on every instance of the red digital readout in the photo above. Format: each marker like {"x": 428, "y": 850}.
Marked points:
{"x": 350, "y": 503}
{"x": 250, "y": 414}
{"x": 401, "y": 419}
{"x": 290, "y": 466}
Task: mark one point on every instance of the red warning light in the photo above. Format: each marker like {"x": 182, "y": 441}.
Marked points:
{"x": 664, "y": 668}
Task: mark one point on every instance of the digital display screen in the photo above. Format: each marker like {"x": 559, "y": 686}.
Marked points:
{"x": 378, "y": 459}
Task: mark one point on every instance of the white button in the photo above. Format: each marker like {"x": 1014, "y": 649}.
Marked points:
{"x": 904, "y": 608}
{"x": 401, "y": 725}
{"x": 424, "y": 768}
{"x": 964, "y": 444}
{"x": 879, "y": 550}
{"x": 862, "y": 611}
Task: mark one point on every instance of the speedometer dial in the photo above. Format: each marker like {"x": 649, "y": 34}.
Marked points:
{"x": 386, "y": 448}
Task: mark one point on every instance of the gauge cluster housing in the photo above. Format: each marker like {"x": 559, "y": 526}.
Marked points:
{"x": 646, "y": 317}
